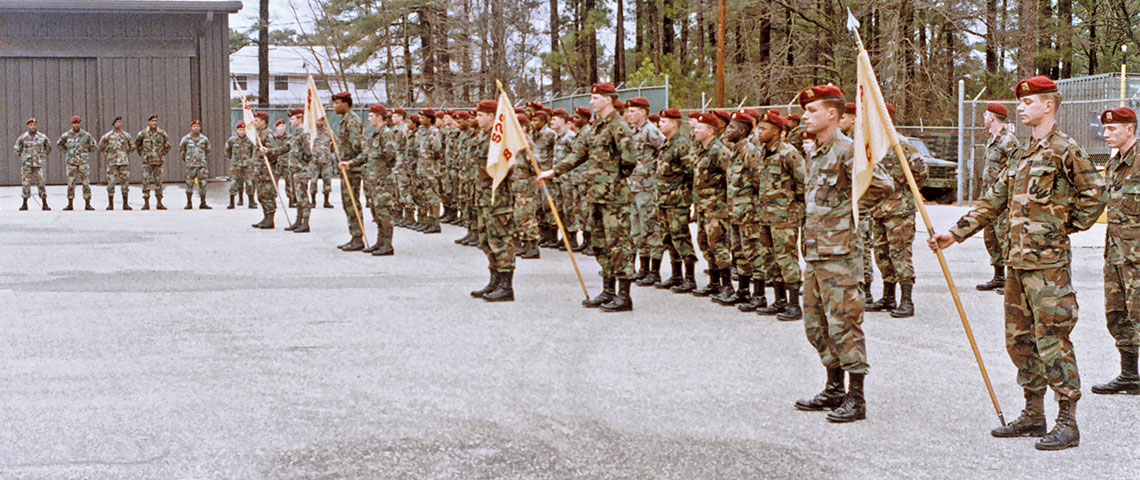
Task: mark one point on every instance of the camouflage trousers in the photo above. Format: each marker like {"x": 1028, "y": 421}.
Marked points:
{"x": 381, "y": 201}
{"x": 744, "y": 239}
{"x": 568, "y": 204}
{"x": 678, "y": 240}
{"x": 322, "y": 173}
{"x": 301, "y": 178}
{"x": 712, "y": 238}
{"x": 29, "y": 176}
{"x": 1040, "y": 312}
{"x": 833, "y": 312}
{"x": 266, "y": 189}
{"x": 240, "y": 179}
{"x": 893, "y": 240}
{"x": 645, "y": 225}
{"x": 778, "y": 259}
{"x": 1122, "y": 305}
{"x": 428, "y": 199}
{"x": 347, "y": 202}
{"x": 118, "y": 174}
{"x": 196, "y": 173}
{"x": 866, "y": 241}
{"x": 496, "y": 235}
{"x": 284, "y": 174}
{"x": 78, "y": 174}
{"x": 993, "y": 246}
{"x": 526, "y": 208}
{"x": 609, "y": 233}
{"x": 584, "y": 206}
{"x": 152, "y": 179}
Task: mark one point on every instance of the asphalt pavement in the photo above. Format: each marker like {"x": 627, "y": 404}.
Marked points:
{"x": 187, "y": 345}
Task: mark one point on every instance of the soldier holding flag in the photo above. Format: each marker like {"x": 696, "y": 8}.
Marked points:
{"x": 495, "y": 199}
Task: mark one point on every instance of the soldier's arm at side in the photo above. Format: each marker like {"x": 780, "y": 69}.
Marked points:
{"x": 1089, "y": 186}
{"x": 62, "y": 142}
{"x": 985, "y": 211}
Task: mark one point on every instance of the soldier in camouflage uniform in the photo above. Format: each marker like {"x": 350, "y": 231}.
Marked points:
{"x": 795, "y": 135}
{"x": 194, "y": 148}
{"x": 1001, "y": 152}
{"x": 576, "y": 183}
{"x": 376, "y": 161}
{"x": 77, "y": 146}
{"x": 269, "y": 152}
{"x": 1122, "y": 248}
{"x": 779, "y": 179}
{"x": 833, "y": 311}
{"x": 324, "y": 164}
{"x": 562, "y": 190}
{"x": 710, "y": 161}
{"x": 644, "y": 222}
{"x": 674, "y": 181}
{"x": 116, "y": 145}
{"x": 32, "y": 148}
{"x": 350, "y": 139}
{"x": 411, "y": 181}
{"x": 606, "y": 148}
{"x": 399, "y": 127}
{"x": 740, "y": 196}
{"x": 496, "y": 220}
{"x": 153, "y": 144}
{"x": 428, "y": 172}
{"x": 1053, "y": 191}
{"x": 524, "y": 186}
{"x": 239, "y": 152}
{"x": 300, "y": 162}
{"x": 464, "y": 205}
{"x": 543, "y": 138}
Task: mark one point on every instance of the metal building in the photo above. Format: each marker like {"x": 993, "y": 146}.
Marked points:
{"x": 108, "y": 58}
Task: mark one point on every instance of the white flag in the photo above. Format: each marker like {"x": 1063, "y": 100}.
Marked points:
{"x": 874, "y": 131}
{"x": 313, "y": 111}
{"x": 507, "y": 140}
{"x": 247, "y": 117}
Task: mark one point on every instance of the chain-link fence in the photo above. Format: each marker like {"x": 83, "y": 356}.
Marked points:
{"x": 658, "y": 96}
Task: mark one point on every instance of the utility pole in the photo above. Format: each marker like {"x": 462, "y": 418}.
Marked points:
{"x": 263, "y": 56}
{"x": 721, "y": 12}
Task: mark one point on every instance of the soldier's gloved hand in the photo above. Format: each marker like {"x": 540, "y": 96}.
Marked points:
{"x": 344, "y": 165}
{"x": 546, "y": 175}
{"x": 941, "y": 241}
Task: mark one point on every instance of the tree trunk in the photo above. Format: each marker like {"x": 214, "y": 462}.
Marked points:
{"x": 1065, "y": 37}
{"x": 427, "y": 75}
{"x": 1027, "y": 51}
{"x": 699, "y": 48}
{"x": 683, "y": 51}
{"x": 555, "y": 72}
{"x": 721, "y": 13}
{"x": 667, "y": 32}
{"x": 764, "y": 40}
{"x": 498, "y": 44}
{"x": 1092, "y": 40}
{"x": 263, "y": 55}
{"x": 619, "y": 43}
{"x": 991, "y": 37}
{"x": 443, "y": 52}
{"x": 408, "y": 86}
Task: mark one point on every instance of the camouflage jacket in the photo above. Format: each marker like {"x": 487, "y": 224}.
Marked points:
{"x": 795, "y": 138}
{"x": 379, "y": 156}
{"x": 430, "y": 153}
{"x": 544, "y": 141}
{"x": 33, "y": 149}
{"x": 275, "y": 147}
{"x": 116, "y": 147}
{"x": 323, "y": 152}
{"x": 77, "y": 147}
{"x": 400, "y": 136}
{"x": 563, "y": 144}
{"x": 1053, "y": 190}
{"x": 1122, "y": 240}
{"x": 675, "y": 173}
{"x": 710, "y": 187}
{"x": 411, "y": 151}
{"x": 606, "y": 149}
{"x": 779, "y": 178}
{"x": 239, "y": 151}
{"x": 503, "y": 199}
{"x": 829, "y": 228}
{"x": 194, "y": 149}
{"x": 741, "y": 187}
{"x": 152, "y": 145}
{"x": 645, "y": 144}
{"x": 900, "y": 202}
{"x": 1001, "y": 152}
{"x": 300, "y": 155}
{"x": 521, "y": 167}
{"x": 350, "y": 137}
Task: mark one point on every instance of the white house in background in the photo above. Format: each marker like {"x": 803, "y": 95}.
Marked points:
{"x": 289, "y": 68}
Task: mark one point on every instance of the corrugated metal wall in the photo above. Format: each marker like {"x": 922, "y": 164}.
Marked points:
{"x": 100, "y": 66}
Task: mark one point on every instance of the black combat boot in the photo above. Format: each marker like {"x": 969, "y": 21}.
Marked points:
{"x": 146, "y": 203}
{"x": 202, "y": 202}
{"x": 572, "y": 239}
{"x": 354, "y": 245}
{"x": 1128, "y": 381}
{"x": 729, "y": 297}
{"x": 373, "y": 247}
{"x": 868, "y": 299}
{"x": 231, "y": 205}
{"x": 158, "y": 203}
{"x": 70, "y": 205}
{"x": 906, "y": 303}
{"x": 87, "y": 204}
{"x": 622, "y": 302}
{"x": 997, "y": 282}
{"x": 327, "y": 204}
{"x": 384, "y": 232}
{"x": 854, "y": 405}
{"x": 433, "y": 226}
{"x": 713, "y": 287}
{"x": 530, "y": 249}
{"x": 758, "y": 298}
{"x": 293, "y": 226}
{"x": 689, "y": 283}
{"x": 654, "y": 275}
{"x": 252, "y": 200}
{"x": 43, "y": 203}
{"x": 778, "y": 303}
{"x": 675, "y": 278}
{"x": 127, "y": 206}
{"x": 241, "y": 196}
{"x": 189, "y": 200}
{"x": 603, "y": 298}
{"x": 1031, "y": 422}
{"x": 491, "y": 283}
{"x": 313, "y": 195}
{"x": 587, "y": 245}
{"x": 831, "y": 396}
{"x": 644, "y": 270}
{"x": 24, "y": 206}
{"x": 885, "y": 304}
{"x": 504, "y": 291}
{"x": 110, "y": 201}
{"x": 792, "y": 310}
{"x": 463, "y": 240}
{"x": 261, "y": 224}
{"x": 1065, "y": 433}
{"x": 303, "y": 223}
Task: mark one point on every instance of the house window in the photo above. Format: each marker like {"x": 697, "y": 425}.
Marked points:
{"x": 322, "y": 83}
{"x": 242, "y": 82}
{"x": 280, "y": 83}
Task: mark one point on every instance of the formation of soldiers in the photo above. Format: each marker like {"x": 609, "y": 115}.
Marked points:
{"x": 762, "y": 189}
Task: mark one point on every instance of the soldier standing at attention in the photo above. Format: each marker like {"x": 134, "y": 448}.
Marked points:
{"x": 399, "y": 172}
{"x": 77, "y": 146}
{"x": 376, "y": 161}
{"x": 239, "y": 152}
{"x": 524, "y": 186}
{"x": 1052, "y": 192}
{"x": 496, "y": 220}
{"x": 350, "y": 138}
{"x": 32, "y": 147}
{"x": 779, "y": 178}
{"x": 795, "y": 135}
{"x": 563, "y": 142}
{"x": 833, "y": 312}
{"x": 711, "y": 159}
{"x": 428, "y": 171}
{"x": 644, "y": 226}
{"x": 577, "y": 182}
{"x": 606, "y": 148}
{"x": 116, "y": 145}
{"x": 270, "y": 149}
{"x": 674, "y": 197}
{"x": 1001, "y": 152}
{"x": 847, "y": 128}
{"x": 153, "y": 144}
{"x": 299, "y": 162}
{"x": 1122, "y": 248}
{"x": 740, "y": 194}
{"x": 324, "y": 158}
{"x": 194, "y": 148}
{"x": 544, "y": 138}
{"x": 413, "y": 184}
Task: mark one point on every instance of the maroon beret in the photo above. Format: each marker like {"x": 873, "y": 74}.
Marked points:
{"x": 427, "y": 112}
{"x": 488, "y": 106}
{"x": 640, "y": 102}
{"x": 400, "y": 111}
{"x": 998, "y": 109}
{"x": 76, "y": 119}
{"x": 279, "y": 122}
{"x": 560, "y": 112}
{"x": 1034, "y": 86}
{"x": 449, "y": 113}
{"x": 296, "y": 111}
{"x": 542, "y": 114}
{"x": 1118, "y": 115}
{"x": 262, "y": 115}
{"x": 773, "y": 117}
{"x": 534, "y": 105}
{"x": 754, "y": 113}
{"x": 818, "y": 92}
{"x": 522, "y": 118}
{"x": 618, "y": 104}
{"x": 520, "y": 110}
{"x": 891, "y": 109}
{"x": 723, "y": 115}
{"x": 653, "y": 117}
{"x": 240, "y": 125}
{"x": 583, "y": 112}
{"x": 195, "y": 122}
{"x": 672, "y": 112}
{"x": 378, "y": 109}
{"x": 31, "y": 120}
{"x": 849, "y": 107}
{"x": 605, "y": 88}
{"x": 742, "y": 116}
{"x": 695, "y": 115}
{"x": 415, "y": 118}
{"x": 710, "y": 119}
{"x": 792, "y": 116}
{"x": 343, "y": 96}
